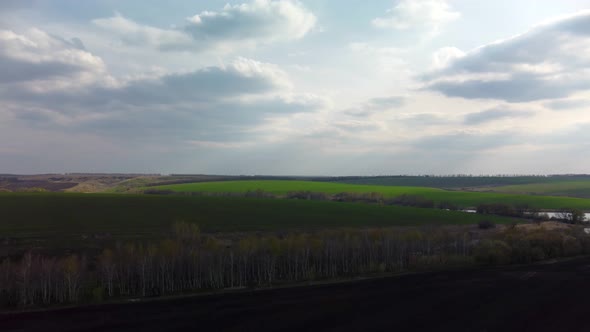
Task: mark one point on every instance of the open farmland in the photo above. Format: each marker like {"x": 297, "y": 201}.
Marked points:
{"x": 74, "y": 220}
{"x": 460, "y": 198}
{"x": 563, "y": 188}
{"x": 458, "y": 181}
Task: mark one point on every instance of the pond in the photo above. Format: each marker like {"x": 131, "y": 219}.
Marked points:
{"x": 550, "y": 214}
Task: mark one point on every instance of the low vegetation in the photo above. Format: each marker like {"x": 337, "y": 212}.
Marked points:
{"x": 580, "y": 188}
{"x": 68, "y": 221}
{"x": 459, "y": 199}
{"x": 66, "y": 248}
{"x": 522, "y": 245}
{"x": 460, "y": 181}
{"x": 191, "y": 261}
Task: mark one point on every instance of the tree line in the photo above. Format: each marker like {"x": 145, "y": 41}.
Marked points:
{"x": 189, "y": 261}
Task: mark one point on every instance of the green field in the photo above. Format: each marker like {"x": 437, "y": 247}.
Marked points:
{"x": 564, "y": 188}
{"x": 285, "y": 186}
{"x": 460, "y": 198}
{"x": 459, "y": 181}
{"x": 72, "y": 215}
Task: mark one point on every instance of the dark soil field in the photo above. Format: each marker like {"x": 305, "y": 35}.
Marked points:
{"x": 545, "y": 297}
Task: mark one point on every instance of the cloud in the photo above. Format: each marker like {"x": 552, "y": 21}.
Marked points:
{"x": 46, "y": 61}
{"x": 135, "y": 34}
{"x": 564, "y": 104}
{"x": 494, "y": 114}
{"x": 16, "y": 4}
{"x": 547, "y": 62}
{"x": 425, "y": 119}
{"x": 429, "y": 15}
{"x": 471, "y": 142}
{"x": 213, "y": 121}
{"x": 445, "y": 56}
{"x": 241, "y": 77}
{"x": 382, "y": 59}
{"x": 216, "y": 103}
{"x": 375, "y": 105}
{"x": 386, "y": 102}
{"x": 260, "y": 22}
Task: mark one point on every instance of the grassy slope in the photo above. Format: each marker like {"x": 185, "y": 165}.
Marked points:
{"x": 63, "y": 215}
{"x": 285, "y": 186}
{"x": 464, "y": 199}
{"x": 564, "y": 188}
{"x": 459, "y": 181}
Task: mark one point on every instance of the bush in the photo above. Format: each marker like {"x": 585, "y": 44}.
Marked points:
{"x": 492, "y": 252}
{"x": 571, "y": 246}
{"x": 258, "y": 193}
{"x": 550, "y": 242}
{"x": 98, "y": 294}
{"x": 572, "y": 216}
{"x": 412, "y": 200}
{"x": 486, "y": 224}
{"x": 498, "y": 209}
{"x": 359, "y": 197}
{"x": 159, "y": 192}
{"x": 537, "y": 254}
{"x": 307, "y": 195}
{"x": 32, "y": 190}
{"x": 446, "y": 205}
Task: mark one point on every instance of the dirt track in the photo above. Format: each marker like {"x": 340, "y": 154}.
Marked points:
{"x": 548, "y": 297}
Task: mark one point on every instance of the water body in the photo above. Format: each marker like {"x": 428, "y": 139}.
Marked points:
{"x": 550, "y": 214}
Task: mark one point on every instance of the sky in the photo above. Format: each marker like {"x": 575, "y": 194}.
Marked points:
{"x": 286, "y": 87}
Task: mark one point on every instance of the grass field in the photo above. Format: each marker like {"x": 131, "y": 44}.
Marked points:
{"x": 563, "y": 188}
{"x": 463, "y": 199}
{"x": 67, "y": 216}
{"x": 459, "y": 181}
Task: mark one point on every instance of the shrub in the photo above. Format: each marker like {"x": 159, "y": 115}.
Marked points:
{"x": 359, "y": 197}
{"x": 307, "y": 195}
{"x": 158, "y": 192}
{"x": 537, "y": 254}
{"x": 486, "y": 224}
{"x": 550, "y": 242}
{"x": 97, "y": 294}
{"x": 32, "y": 190}
{"x": 573, "y": 216}
{"x": 446, "y": 205}
{"x": 412, "y": 200}
{"x": 258, "y": 193}
{"x": 492, "y": 252}
{"x": 497, "y": 208}
{"x": 571, "y": 246}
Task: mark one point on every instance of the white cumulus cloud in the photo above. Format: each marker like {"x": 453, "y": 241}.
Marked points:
{"x": 428, "y": 15}
{"x": 260, "y": 22}
{"x": 549, "y": 61}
